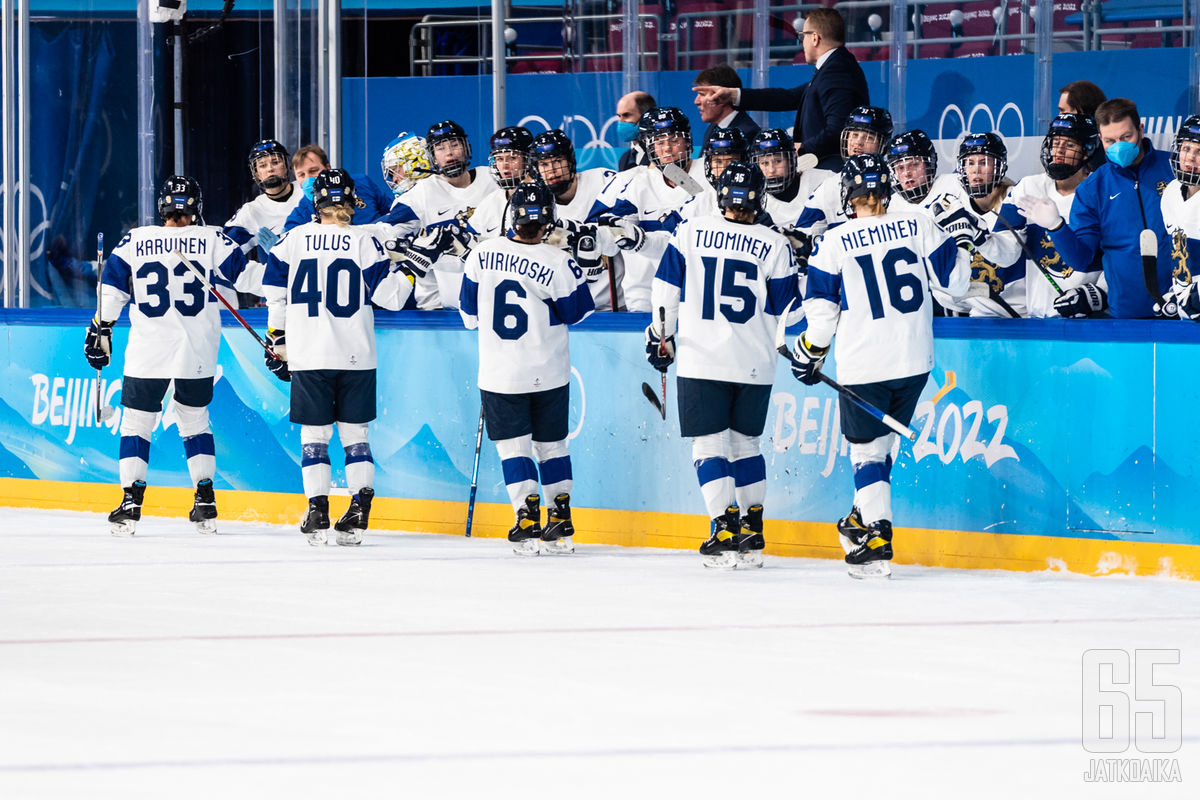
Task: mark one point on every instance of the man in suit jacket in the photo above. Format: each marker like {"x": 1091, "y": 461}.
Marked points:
{"x": 822, "y": 104}
{"x": 722, "y": 114}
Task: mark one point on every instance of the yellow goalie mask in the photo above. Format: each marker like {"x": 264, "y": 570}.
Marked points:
{"x": 405, "y": 162}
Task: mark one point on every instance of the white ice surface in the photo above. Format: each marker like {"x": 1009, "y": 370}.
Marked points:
{"x": 250, "y": 665}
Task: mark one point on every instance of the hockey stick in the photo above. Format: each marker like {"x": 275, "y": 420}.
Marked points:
{"x": 475, "y": 473}
{"x": 675, "y": 174}
{"x": 785, "y": 351}
{"x": 659, "y": 405}
{"x": 1031, "y": 257}
{"x": 103, "y": 412}
{"x": 1148, "y": 246}
{"x": 208, "y": 285}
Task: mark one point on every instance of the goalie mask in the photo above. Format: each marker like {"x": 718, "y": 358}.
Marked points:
{"x": 553, "y": 160}
{"x": 666, "y": 136}
{"x": 773, "y": 153}
{"x": 269, "y": 150}
{"x": 1069, "y": 145}
{"x": 334, "y": 187}
{"x": 405, "y": 161}
{"x": 863, "y": 175}
{"x": 532, "y": 203}
{"x": 509, "y": 156}
{"x": 742, "y": 187}
{"x": 912, "y": 159}
{"x": 724, "y": 147}
{"x": 442, "y": 138}
{"x": 867, "y": 130}
{"x": 982, "y": 162}
{"x": 180, "y": 195}
{"x": 1185, "y": 152}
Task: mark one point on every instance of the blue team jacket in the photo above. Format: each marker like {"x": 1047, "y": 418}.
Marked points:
{"x": 1111, "y": 208}
{"x": 373, "y": 204}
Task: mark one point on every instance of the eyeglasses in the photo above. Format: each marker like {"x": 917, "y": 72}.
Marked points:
{"x": 802, "y": 34}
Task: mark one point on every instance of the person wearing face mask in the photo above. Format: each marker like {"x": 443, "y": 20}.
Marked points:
{"x": 370, "y": 205}
{"x": 1112, "y": 207}
{"x": 629, "y": 110}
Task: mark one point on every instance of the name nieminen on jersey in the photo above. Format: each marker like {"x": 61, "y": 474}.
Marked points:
{"x": 723, "y": 240}
{"x": 881, "y": 232}
{"x": 327, "y": 241}
{"x": 191, "y": 245}
{"x": 503, "y": 262}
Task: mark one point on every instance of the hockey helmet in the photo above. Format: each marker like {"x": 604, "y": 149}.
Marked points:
{"x": 405, "y": 161}
{"x": 514, "y": 140}
{"x": 532, "y": 203}
{"x": 727, "y": 144}
{"x": 874, "y": 125}
{"x": 448, "y": 131}
{"x": 1077, "y": 127}
{"x": 333, "y": 187}
{"x": 665, "y": 124}
{"x": 265, "y": 149}
{"x": 1189, "y": 131}
{"x": 903, "y": 154}
{"x": 982, "y": 144}
{"x": 862, "y": 175}
{"x": 180, "y": 194}
{"x": 769, "y": 143}
{"x": 548, "y": 146}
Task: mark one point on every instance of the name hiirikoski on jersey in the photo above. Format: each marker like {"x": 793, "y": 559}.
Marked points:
{"x": 503, "y": 262}
{"x": 882, "y": 232}
{"x": 190, "y": 245}
{"x": 327, "y": 241}
{"x": 723, "y": 240}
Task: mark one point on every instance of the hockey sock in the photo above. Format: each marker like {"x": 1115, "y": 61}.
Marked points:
{"x": 555, "y": 467}
{"x": 520, "y": 473}
{"x": 713, "y": 470}
{"x": 136, "y": 427}
{"x": 360, "y": 466}
{"x": 749, "y": 469}
{"x": 872, "y": 474}
{"x": 197, "y": 441}
{"x": 314, "y": 459}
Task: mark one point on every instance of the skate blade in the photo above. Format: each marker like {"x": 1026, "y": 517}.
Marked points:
{"x": 207, "y": 527}
{"x": 720, "y": 561}
{"x": 124, "y": 529}
{"x": 558, "y": 547}
{"x": 870, "y": 570}
{"x": 526, "y": 547}
{"x": 317, "y": 538}
{"x": 751, "y": 559}
{"x": 350, "y": 538}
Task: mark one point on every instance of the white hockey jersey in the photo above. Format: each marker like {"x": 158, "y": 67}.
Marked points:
{"x": 1182, "y": 220}
{"x": 822, "y": 210}
{"x": 522, "y": 297}
{"x": 590, "y": 183}
{"x": 787, "y": 212}
{"x": 869, "y": 281}
{"x": 261, "y": 212}
{"x": 942, "y": 184}
{"x": 174, "y": 323}
{"x": 320, "y": 282}
{"x": 724, "y": 285}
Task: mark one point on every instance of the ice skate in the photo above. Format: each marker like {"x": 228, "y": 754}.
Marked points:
{"x": 556, "y": 536}
{"x": 204, "y": 509}
{"x": 720, "y": 550}
{"x": 124, "y": 518}
{"x": 353, "y": 524}
{"x": 869, "y": 559}
{"x": 749, "y": 539}
{"x": 526, "y": 533}
{"x": 315, "y": 525}
{"x": 851, "y": 530}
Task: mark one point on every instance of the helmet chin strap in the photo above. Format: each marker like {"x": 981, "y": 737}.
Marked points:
{"x": 273, "y": 182}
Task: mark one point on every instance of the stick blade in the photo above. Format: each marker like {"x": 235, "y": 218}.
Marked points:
{"x": 805, "y": 161}
{"x": 652, "y": 396}
{"x": 675, "y": 174}
{"x": 1148, "y": 244}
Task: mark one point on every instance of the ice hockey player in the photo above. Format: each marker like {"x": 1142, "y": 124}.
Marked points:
{"x": 405, "y": 161}
{"x": 722, "y": 342}
{"x": 913, "y": 160}
{"x": 881, "y": 310}
{"x": 509, "y": 162}
{"x": 867, "y": 130}
{"x": 522, "y": 295}
{"x": 174, "y": 335}
{"x": 724, "y": 147}
{"x": 788, "y": 189}
{"x": 257, "y": 224}
{"x": 321, "y": 282}
{"x": 1181, "y": 215}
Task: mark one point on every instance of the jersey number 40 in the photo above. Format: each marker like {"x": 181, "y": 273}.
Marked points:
{"x": 343, "y": 279}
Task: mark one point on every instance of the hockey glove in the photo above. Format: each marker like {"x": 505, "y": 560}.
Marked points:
{"x": 97, "y": 347}
{"x": 802, "y": 247}
{"x": 266, "y": 239}
{"x": 1040, "y": 211}
{"x": 957, "y": 221}
{"x": 659, "y": 353}
{"x": 631, "y": 238}
{"x": 276, "y": 357}
{"x": 807, "y": 361}
{"x": 1188, "y": 298}
{"x": 1082, "y": 301}
{"x": 586, "y": 249}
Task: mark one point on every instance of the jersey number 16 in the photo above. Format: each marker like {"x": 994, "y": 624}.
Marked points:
{"x": 896, "y": 282}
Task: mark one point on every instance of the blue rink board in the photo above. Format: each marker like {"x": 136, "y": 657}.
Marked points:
{"x": 1054, "y": 427}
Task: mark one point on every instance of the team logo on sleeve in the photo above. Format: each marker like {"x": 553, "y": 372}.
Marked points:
{"x": 1052, "y": 262}
{"x": 1159, "y": 187}
{"x": 1179, "y": 254}
{"x": 984, "y": 271}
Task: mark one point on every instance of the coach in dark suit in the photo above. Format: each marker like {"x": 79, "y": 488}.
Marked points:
{"x": 718, "y": 114}
{"x": 822, "y": 104}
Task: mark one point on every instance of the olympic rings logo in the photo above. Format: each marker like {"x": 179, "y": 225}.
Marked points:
{"x": 572, "y": 121}
{"x": 948, "y": 136}
{"x": 37, "y": 236}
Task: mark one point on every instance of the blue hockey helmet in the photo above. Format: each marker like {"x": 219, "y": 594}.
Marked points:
{"x": 742, "y": 187}
{"x": 333, "y": 187}
{"x": 180, "y": 195}
{"x": 862, "y": 175}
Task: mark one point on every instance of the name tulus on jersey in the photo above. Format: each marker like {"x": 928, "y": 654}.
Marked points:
{"x": 882, "y": 232}
{"x": 162, "y": 245}
{"x": 327, "y": 241}
{"x": 722, "y": 240}
{"x": 503, "y": 262}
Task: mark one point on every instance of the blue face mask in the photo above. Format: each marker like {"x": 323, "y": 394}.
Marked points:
{"x": 1122, "y": 153}
{"x": 307, "y": 186}
{"x": 627, "y": 131}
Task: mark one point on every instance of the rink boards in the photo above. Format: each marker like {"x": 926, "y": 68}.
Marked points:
{"x": 1041, "y": 444}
